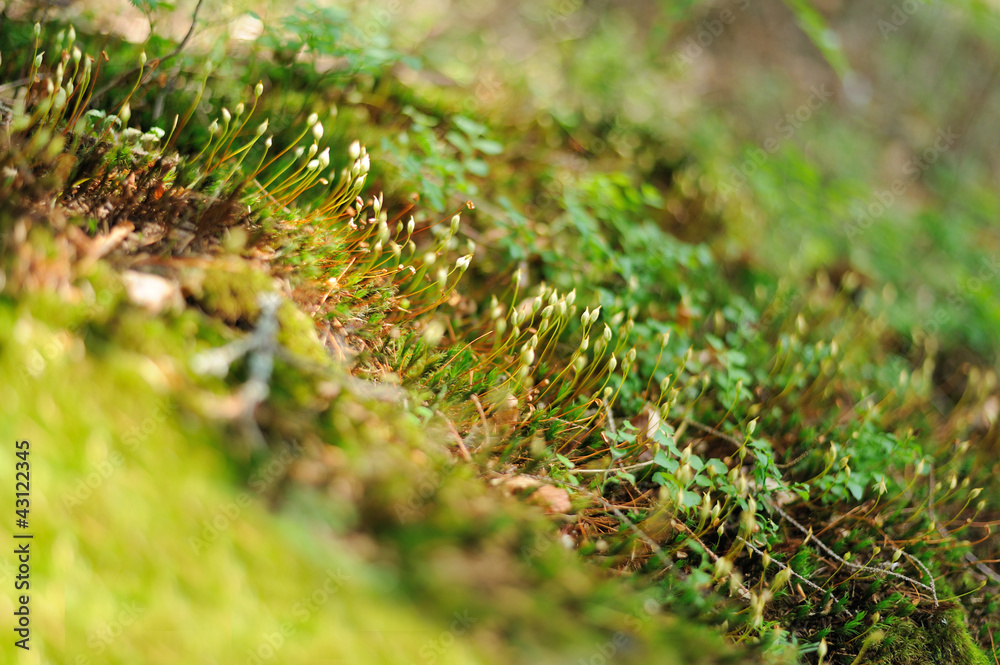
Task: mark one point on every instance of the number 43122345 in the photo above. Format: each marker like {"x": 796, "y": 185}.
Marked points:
{"x": 22, "y": 472}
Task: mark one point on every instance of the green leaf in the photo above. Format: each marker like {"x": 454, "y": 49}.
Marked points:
{"x": 815, "y": 26}
{"x": 717, "y": 466}
{"x": 627, "y": 476}
{"x": 650, "y": 195}
{"x": 146, "y": 6}
{"x": 662, "y": 480}
{"x": 699, "y": 578}
{"x": 691, "y": 499}
{"x": 471, "y": 128}
{"x": 420, "y": 118}
{"x": 736, "y": 358}
{"x": 667, "y": 463}
{"x": 565, "y": 460}
{"x": 487, "y": 146}
{"x": 459, "y": 142}
{"x": 477, "y": 167}
{"x": 667, "y": 441}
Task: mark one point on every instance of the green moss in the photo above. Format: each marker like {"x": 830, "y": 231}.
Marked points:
{"x": 229, "y": 288}
{"x": 147, "y": 553}
{"x": 106, "y": 388}
{"x": 933, "y": 639}
{"x": 157, "y": 549}
{"x": 298, "y": 335}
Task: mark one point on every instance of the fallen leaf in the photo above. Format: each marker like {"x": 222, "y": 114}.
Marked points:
{"x": 103, "y": 245}
{"x": 552, "y": 499}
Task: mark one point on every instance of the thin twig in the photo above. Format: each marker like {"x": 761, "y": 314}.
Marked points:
{"x": 482, "y": 418}
{"x": 462, "y": 450}
{"x": 611, "y": 420}
{"x": 259, "y": 347}
{"x": 969, "y": 556}
{"x": 879, "y": 571}
{"x": 177, "y": 49}
{"x": 12, "y": 84}
{"x": 736, "y": 442}
{"x": 711, "y": 430}
{"x": 932, "y": 587}
{"x": 660, "y": 554}
{"x": 187, "y": 35}
{"x": 792, "y": 571}
{"x": 637, "y": 465}
{"x": 712, "y": 555}
{"x": 982, "y": 567}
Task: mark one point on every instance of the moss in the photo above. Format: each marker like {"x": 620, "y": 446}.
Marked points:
{"x": 148, "y": 553}
{"x": 143, "y": 506}
{"x": 936, "y": 639}
{"x": 228, "y": 288}
{"x": 161, "y": 554}
{"x": 298, "y": 335}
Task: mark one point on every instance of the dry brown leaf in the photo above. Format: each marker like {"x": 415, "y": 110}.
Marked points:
{"x": 552, "y": 499}
{"x": 105, "y": 244}
{"x": 517, "y": 483}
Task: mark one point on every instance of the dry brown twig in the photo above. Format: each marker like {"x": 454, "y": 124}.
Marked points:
{"x": 462, "y": 450}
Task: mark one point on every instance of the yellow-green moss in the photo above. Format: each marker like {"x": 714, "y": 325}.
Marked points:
{"x": 228, "y": 288}
{"x": 934, "y": 639}
{"x": 298, "y": 335}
